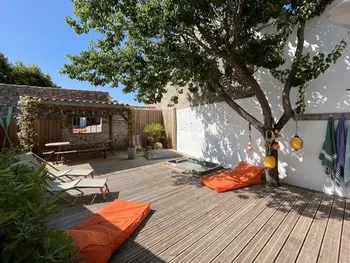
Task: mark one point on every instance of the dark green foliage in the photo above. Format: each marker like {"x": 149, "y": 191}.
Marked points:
{"x": 21, "y": 74}
{"x": 148, "y": 44}
{"x": 24, "y": 206}
{"x": 5, "y": 69}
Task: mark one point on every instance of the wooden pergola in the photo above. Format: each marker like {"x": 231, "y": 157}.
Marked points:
{"x": 55, "y": 108}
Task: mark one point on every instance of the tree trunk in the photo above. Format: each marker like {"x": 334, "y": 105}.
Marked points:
{"x": 271, "y": 175}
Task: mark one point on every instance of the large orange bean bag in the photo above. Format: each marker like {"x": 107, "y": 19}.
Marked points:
{"x": 100, "y": 235}
{"x": 243, "y": 175}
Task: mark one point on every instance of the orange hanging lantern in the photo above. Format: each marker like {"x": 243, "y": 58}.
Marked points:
{"x": 270, "y": 162}
{"x": 276, "y": 146}
{"x": 250, "y": 147}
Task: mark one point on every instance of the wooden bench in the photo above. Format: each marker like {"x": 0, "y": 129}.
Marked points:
{"x": 104, "y": 149}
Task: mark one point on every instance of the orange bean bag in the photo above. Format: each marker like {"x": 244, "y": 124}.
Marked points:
{"x": 100, "y": 235}
{"x": 243, "y": 175}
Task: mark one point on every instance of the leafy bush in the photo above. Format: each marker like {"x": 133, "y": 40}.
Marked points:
{"x": 29, "y": 108}
{"x": 24, "y": 206}
{"x": 155, "y": 129}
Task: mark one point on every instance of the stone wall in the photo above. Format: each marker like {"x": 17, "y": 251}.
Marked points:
{"x": 9, "y": 94}
{"x": 119, "y": 133}
{"x": 67, "y": 134}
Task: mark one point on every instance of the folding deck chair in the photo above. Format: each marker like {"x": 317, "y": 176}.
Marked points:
{"x": 30, "y": 156}
{"x": 61, "y": 187}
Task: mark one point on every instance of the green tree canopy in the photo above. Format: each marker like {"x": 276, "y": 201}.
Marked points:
{"x": 212, "y": 45}
{"x": 22, "y": 74}
{"x": 5, "y": 69}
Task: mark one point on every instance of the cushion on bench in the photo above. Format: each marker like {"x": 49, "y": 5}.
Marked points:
{"x": 243, "y": 175}
{"x": 100, "y": 235}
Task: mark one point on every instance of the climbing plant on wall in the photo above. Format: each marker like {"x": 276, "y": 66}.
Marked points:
{"x": 131, "y": 120}
{"x": 29, "y": 109}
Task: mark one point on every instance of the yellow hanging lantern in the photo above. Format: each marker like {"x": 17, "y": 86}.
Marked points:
{"x": 296, "y": 143}
{"x": 269, "y": 162}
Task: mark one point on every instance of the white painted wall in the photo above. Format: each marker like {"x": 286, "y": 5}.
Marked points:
{"x": 215, "y": 132}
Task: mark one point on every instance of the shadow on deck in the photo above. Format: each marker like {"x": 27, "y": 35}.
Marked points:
{"x": 191, "y": 223}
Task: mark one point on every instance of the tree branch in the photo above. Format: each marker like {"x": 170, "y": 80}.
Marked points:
{"x": 242, "y": 112}
{"x": 214, "y": 47}
{"x": 245, "y": 78}
{"x": 199, "y": 42}
{"x": 237, "y": 22}
{"x": 287, "y": 107}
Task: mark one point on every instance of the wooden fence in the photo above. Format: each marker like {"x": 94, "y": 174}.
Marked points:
{"x": 49, "y": 130}
{"x": 169, "y": 122}
{"x": 165, "y": 117}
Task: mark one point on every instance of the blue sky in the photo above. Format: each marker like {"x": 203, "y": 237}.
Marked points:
{"x": 35, "y": 32}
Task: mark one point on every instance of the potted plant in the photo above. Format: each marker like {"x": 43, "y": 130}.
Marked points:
{"x": 149, "y": 143}
{"x": 131, "y": 137}
{"x": 155, "y": 130}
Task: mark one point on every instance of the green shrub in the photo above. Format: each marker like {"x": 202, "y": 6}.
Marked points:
{"x": 24, "y": 206}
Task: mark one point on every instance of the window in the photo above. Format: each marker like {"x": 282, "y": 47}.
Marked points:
{"x": 87, "y": 124}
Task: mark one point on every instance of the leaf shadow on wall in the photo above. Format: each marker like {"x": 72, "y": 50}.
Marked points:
{"x": 225, "y": 133}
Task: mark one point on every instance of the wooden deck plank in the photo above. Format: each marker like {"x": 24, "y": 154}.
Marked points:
{"x": 204, "y": 243}
{"x": 220, "y": 227}
{"x": 311, "y": 247}
{"x": 125, "y": 193}
{"x": 163, "y": 219}
{"x": 291, "y": 248}
{"x": 140, "y": 191}
{"x": 276, "y": 242}
{"x": 214, "y": 247}
{"x": 331, "y": 241}
{"x": 67, "y": 222}
{"x": 199, "y": 228}
{"x": 344, "y": 255}
{"x": 191, "y": 223}
{"x": 237, "y": 244}
{"x": 262, "y": 237}
{"x": 183, "y": 220}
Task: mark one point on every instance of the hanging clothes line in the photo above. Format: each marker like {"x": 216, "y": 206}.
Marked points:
{"x": 322, "y": 116}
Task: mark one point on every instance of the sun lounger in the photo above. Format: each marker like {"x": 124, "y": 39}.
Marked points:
{"x": 34, "y": 164}
{"x": 54, "y": 171}
{"x": 101, "y": 184}
{"x": 54, "y": 186}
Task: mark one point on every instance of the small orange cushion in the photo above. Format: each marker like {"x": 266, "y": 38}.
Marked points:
{"x": 100, "y": 235}
{"x": 243, "y": 175}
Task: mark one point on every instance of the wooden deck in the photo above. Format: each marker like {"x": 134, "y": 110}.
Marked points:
{"x": 191, "y": 223}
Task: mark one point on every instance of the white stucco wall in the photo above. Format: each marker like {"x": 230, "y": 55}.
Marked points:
{"x": 215, "y": 132}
